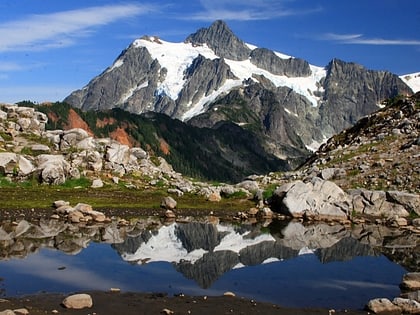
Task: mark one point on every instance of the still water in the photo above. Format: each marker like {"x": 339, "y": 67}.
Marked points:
{"x": 284, "y": 263}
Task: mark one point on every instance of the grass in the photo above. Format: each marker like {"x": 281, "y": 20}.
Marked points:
{"x": 26, "y": 196}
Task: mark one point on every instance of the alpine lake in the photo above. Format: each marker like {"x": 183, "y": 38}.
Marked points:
{"x": 290, "y": 263}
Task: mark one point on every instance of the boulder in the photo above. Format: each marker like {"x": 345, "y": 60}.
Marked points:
{"x": 376, "y": 203}
{"x": 317, "y": 198}
{"x": 8, "y": 162}
{"x": 214, "y": 196}
{"x": 408, "y": 306}
{"x": 84, "y": 208}
{"x": 97, "y": 183}
{"x": 75, "y": 216}
{"x": 98, "y": 216}
{"x": 411, "y": 202}
{"x": 40, "y": 148}
{"x": 249, "y": 185}
{"x": 25, "y": 166}
{"x": 53, "y": 174}
{"x": 78, "y": 301}
{"x": 168, "y": 203}
{"x": 413, "y": 295}
{"x": 383, "y": 306}
{"x": 72, "y": 137}
{"x": 118, "y": 153}
{"x": 411, "y": 281}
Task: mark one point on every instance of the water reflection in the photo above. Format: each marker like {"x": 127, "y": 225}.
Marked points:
{"x": 330, "y": 265}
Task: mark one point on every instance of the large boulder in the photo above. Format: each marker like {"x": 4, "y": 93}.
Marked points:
{"x": 411, "y": 202}
{"x": 118, "y": 153}
{"x": 168, "y": 203}
{"x": 318, "y": 199}
{"x": 53, "y": 168}
{"x": 15, "y": 164}
{"x": 71, "y": 137}
{"x": 376, "y": 203}
{"x": 383, "y": 306}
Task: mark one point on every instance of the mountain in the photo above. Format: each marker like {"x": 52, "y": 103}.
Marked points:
{"x": 283, "y": 103}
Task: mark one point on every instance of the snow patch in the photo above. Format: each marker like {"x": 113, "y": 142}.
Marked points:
{"x": 200, "y": 106}
{"x": 315, "y": 144}
{"x": 305, "y": 86}
{"x": 176, "y": 58}
{"x": 412, "y": 80}
{"x": 118, "y": 63}
{"x": 290, "y": 113}
{"x": 131, "y": 91}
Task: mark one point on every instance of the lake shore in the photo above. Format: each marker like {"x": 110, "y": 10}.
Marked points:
{"x": 129, "y": 303}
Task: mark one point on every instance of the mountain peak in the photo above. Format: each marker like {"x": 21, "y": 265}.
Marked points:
{"x": 220, "y": 38}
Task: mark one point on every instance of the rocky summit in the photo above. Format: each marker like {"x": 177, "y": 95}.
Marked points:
{"x": 286, "y": 104}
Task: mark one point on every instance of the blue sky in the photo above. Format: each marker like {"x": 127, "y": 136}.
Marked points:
{"x": 48, "y": 48}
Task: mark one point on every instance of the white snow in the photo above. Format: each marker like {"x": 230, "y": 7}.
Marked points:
{"x": 118, "y": 63}
{"x": 199, "y": 107}
{"x": 412, "y": 80}
{"x": 131, "y": 91}
{"x": 290, "y": 113}
{"x": 301, "y": 85}
{"x": 177, "y": 57}
{"x": 315, "y": 144}
{"x": 165, "y": 246}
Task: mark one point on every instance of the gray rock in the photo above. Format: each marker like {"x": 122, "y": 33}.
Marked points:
{"x": 413, "y": 295}
{"x": 410, "y": 202}
{"x": 411, "y": 281}
{"x": 268, "y": 60}
{"x": 328, "y": 173}
{"x": 53, "y": 174}
{"x": 383, "y": 306}
{"x": 78, "y": 301}
{"x": 249, "y": 185}
{"x": 221, "y": 40}
{"x": 40, "y": 148}
{"x": 168, "y": 203}
{"x": 59, "y": 203}
{"x": 97, "y": 183}
{"x": 118, "y": 153}
{"x": 408, "y": 306}
{"x": 8, "y": 162}
{"x": 375, "y": 203}
{"x": 71, "y": 137}
{"x": 318, "y": 199}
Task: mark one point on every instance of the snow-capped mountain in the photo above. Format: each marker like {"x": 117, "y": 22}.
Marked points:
{"x": 213, "y": 77}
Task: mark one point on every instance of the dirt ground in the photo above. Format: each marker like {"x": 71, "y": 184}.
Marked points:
{"x": 110, "y": 303}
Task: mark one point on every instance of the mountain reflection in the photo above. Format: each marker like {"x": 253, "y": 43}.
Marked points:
{"x": 204, "y": 251}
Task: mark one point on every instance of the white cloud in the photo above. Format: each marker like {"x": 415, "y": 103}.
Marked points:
{"x": 359, "y": 39}
{"x": 60, "y": 29}
{"x": 10, "y": 66}
{"x": 235, "y": 10}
